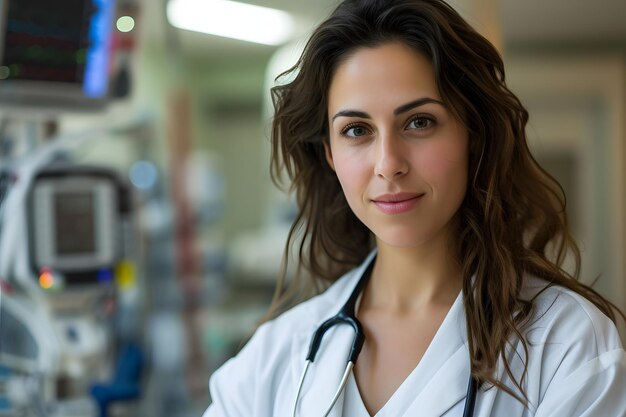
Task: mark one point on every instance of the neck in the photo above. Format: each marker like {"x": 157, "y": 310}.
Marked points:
{"x": 412, "y": 278}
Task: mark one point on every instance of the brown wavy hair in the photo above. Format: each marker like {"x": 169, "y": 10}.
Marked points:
{"x": 512, "y": 223}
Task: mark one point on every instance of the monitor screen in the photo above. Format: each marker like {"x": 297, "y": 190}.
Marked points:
{"x": 75, "y": 223}
{"x": 55, "y": 54}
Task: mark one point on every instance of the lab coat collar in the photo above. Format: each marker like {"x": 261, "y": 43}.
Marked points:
{"x": 441, "y": 378}
{"x": 437, "y": 384}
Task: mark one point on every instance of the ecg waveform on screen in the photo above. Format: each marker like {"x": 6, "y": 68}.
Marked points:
{"x": 47, "y": 41}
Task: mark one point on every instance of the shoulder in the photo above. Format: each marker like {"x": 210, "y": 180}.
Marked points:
{"x": 309, "y": 314}
{"x": 565, "y": 318}
{"x": 264, "y": 365}
{"x": 302, "y": 318}
{"x": 576, "y": 363}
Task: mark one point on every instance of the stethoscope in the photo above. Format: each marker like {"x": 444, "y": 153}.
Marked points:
{"x": 347, "y": 315}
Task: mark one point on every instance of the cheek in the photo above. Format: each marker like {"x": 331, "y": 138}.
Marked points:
{"x": 352, "y": 175}
{"x": 347, "y": 170}
{"x": 445, "y": 164}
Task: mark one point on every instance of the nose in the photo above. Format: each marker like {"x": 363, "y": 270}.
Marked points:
{"x": 391, "y": 157}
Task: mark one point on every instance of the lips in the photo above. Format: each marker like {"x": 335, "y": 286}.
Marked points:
{"x": 397, "y": 203}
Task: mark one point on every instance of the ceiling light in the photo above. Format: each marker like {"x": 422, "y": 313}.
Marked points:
{"x": 232, "y": 20}
{"x": 125, "y": 24}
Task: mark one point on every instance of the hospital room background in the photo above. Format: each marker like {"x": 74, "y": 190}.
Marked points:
{"x": 140, "y": 234}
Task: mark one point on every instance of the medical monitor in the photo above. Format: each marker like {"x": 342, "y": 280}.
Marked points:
{"x": 77, "y": 215}
{"x": 55, "y": 55}
{"x": 74, "y": 220}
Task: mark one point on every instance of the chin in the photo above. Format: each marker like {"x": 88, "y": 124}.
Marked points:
{"x": 411, "y": 236}
{"x": 403, "y": 240}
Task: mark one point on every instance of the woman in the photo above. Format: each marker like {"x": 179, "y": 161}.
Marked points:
{"x": 409, "y": 159}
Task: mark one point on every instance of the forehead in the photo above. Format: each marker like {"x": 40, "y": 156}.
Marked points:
{"x": 383, "y": 75}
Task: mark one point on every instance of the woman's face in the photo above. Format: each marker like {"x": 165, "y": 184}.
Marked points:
{"x": 399, "y": 154}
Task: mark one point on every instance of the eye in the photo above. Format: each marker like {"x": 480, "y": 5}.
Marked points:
{"x": 420, "y": 122}
{"x": 355, "y": 130}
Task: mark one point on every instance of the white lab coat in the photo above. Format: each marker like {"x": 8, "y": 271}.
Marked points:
{"x": 576, "y": 366}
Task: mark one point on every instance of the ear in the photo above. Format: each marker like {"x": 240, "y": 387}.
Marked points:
{"x": 329, "y": 154}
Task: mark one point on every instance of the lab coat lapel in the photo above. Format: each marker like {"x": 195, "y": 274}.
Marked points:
{"x": 446, "y": 388}
{"x": 324, "y": 375}
{"x": 441, "y": 378}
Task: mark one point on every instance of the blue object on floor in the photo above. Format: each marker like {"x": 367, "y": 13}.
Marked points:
{"x": 125, "y": 385}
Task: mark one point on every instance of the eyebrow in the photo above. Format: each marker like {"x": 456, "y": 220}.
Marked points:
{"x": 402, "y": 109}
